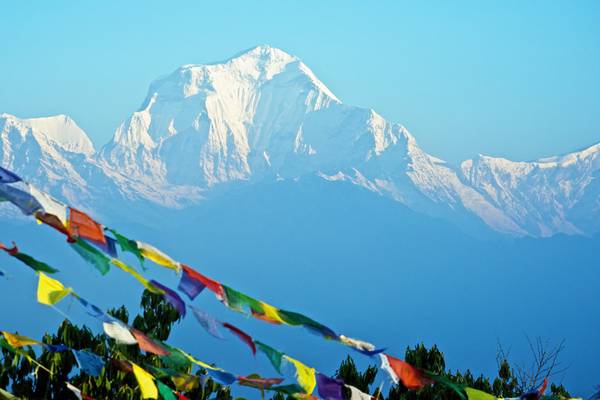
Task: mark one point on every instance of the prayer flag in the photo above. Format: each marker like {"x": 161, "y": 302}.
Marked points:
{"x": 82, "y": 225}
{"x": 359, "y": 345}
{"x": 208, "y": 322}
{"x": 75, "y": 391}
{"x": 239, "y": 302}
{"x": 268, "y": 313}
{"x": 190, "y": 284}
{"x": 172, "y": 297}
{"x": 19, "y": 341}
{"x": 400, "y": 371}
{"x": 257, "y": 382}
{"x": 110, "y": 248}
{"x": 55, "y": 348}
{"x": 88, "y": 362}
{"x": 145, "y": 382}
{"x": 243, "y": 336}
{"x": 93, "y": 310}
{"x": 329, "y": 388}
{"x": 19, "y": 195}
{"x": 149, "y": 345}
{"x": 356, "y": 394}
{"x": 223, "y": 377}
{"x": 119, "y": 332}
{"x": 211, "y": 284}
{"x": 275, "y": 356}
{"x": 50, "y": 291}
{"x": 152, "y": 253}
{"x": 128, "y": 245}
{"x": 304, "y": 375}
{"x": 92, "y": 255}
{"x": 185, "y": 382}
{"x": 50, "y": 206}
{"x": 7, "y": 176}
{"x": 474, "y": 394}
{"x": 296, "y": 319}
{"x": 28, "y": 260}
{"x": 165, "y": 392}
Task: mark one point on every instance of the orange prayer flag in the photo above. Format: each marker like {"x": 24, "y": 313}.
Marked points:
{"x": 82, "y": 225}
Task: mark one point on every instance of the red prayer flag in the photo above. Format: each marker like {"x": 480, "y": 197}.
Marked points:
{"x": 82, "y": 225}
{"x": 244, "y": 337}
{"x": 411, "y": 377}
{"x": 149, "y": 345}
{"x": 211, "y": 284}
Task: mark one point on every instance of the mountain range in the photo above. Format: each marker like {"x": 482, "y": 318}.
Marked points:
{"x": 264, "y": 117}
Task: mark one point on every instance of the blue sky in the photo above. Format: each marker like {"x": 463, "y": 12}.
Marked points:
{"x": 514, "y": 79}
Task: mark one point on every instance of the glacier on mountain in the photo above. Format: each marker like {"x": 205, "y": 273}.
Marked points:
{"x": 264, "y": 115}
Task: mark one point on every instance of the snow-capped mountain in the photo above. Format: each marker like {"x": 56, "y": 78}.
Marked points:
{"x": 264, "y": 115}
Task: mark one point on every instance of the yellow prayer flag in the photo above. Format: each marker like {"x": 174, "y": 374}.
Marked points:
{"x": 146, "y": 382}
{"x": 271, "y": 313}
{"x": 185, "y": 382}
{"x": 50, "y": 291}
{"x": 18, "y": 340}
{"x": 474, "y": 394}
{"x": 136, "y": 275}
{"x": 304, "y": 375}
{"x": 152, "y": 253}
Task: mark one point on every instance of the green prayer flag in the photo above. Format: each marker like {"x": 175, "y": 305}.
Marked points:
{"x": 92, "y": 255}
{"x": 240, "y": 302}
{"x": 165, "y": 391}
{"x": 445, "y": 381}
{"x": 176, "y": 359}
{"x": 34, "y": 264}
{"x": 128, "y": 245}
{"x": 275, "y": 356}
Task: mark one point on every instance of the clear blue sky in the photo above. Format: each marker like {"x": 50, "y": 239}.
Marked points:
{"x": 519, "y": 79}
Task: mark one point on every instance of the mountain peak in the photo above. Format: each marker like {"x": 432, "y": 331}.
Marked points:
{"x": 58, "y": 129}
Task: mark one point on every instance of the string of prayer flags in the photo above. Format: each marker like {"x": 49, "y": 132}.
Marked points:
{"x": 208, "y": 322}
{"x": 304, "y": 375}
{"x": 7, "y": 176}
{"x": 171, "y": 297}
{"x": 118, "y": 331}
{"x": 89, "y": 362}
{"x": 153, "y": 254}
{"x": 329, "y": 388}
{"x": 274, "y": 356}
{"x": 82, "y": 225}
{"x": 92, "y": 255}
{"x": 145, "y": 382}
{"x": 148, "y": 345}
{"x": 127, "y": 245}
{"x": 28, "y": 260}
{"x": 19, "y": 341}
{"x": 400, "y": 371}
{"x": 50, "y": 291}
{"x": 243, "y": 336}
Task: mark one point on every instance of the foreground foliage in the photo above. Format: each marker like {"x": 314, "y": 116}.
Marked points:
{"x": 157, "y": 319}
